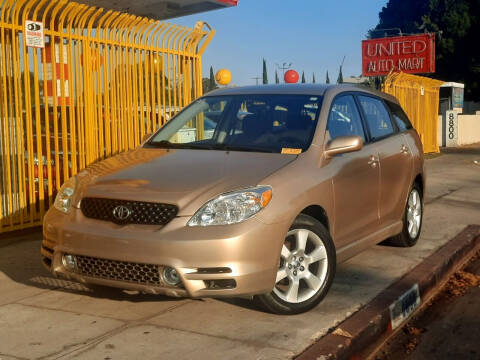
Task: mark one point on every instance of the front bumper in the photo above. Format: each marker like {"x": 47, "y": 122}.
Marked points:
{"x": 233, "y": 260}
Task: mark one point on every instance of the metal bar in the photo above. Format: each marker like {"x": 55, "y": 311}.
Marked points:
{"x": 16, "y": 131}
{"x": 7, "y": 111}
{"x": 40, "y": 165}
{"x": 28, "y": 116}
{"x": 104, "y": 22}
{"x": 46, "y": 113}
{"x": 63, "y": 94}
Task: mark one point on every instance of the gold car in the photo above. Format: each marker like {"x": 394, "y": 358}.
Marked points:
{"x": 253, "y": 191}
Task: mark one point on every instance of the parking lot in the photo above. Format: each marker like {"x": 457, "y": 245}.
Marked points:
{"x": 44, "y": 317}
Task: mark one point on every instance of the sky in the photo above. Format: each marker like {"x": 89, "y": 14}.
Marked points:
{"x": 313, "y": 35}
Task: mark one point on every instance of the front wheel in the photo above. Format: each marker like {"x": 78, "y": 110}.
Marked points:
{"x": 306, "y": 269}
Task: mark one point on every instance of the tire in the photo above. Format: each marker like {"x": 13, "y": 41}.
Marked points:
{"x": 311, "y": 277}
{"x": 413, "y": 213}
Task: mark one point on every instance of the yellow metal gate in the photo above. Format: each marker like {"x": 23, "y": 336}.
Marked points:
{"x": 419, "y": 97}
{"x": 98, "y": 82}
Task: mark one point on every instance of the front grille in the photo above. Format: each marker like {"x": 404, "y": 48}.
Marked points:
{"x": 128, "y": 212}
{"x": 147, "y": 274}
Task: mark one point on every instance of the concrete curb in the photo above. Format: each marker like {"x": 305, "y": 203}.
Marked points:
{"x": 373, "y": 324}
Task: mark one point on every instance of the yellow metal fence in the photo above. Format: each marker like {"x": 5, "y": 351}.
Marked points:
{"x": 101, "y": 82}
{"x": 419, "y": 97}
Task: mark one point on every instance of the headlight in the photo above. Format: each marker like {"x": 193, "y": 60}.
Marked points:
{"x": 233, "y": 207}
{"x": 64, "y": 199}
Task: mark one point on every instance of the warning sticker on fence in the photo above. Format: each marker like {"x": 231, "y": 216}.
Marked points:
{"x": 34, "y": 34}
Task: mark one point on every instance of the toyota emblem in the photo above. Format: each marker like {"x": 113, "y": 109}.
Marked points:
{"x": 121, "y": 213}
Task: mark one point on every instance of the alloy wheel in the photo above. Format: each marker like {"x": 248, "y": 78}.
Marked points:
{"x": 303, "y": 266}
{"x": 414, "y": 213}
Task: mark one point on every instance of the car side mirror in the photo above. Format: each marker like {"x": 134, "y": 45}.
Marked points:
{"x": 342, "y": 145}
{"x": 146, "y": 137}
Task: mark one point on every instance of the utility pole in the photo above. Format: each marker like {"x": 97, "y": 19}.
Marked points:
{"x": 257, "y": 78}
{"x": 285, "y": 66}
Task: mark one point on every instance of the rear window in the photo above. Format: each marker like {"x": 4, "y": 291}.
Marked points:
{"x": 399, "y": 116}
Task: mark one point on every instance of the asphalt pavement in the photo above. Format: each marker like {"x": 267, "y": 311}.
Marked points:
{"x": 49, "y": 318}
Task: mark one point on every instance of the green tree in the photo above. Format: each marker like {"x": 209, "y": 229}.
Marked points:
{"x": 265, "y": 76}
{"x": 340, "y": 76}
{"x": 406, "y": 15}
{"x": 205, "y": 85}
{"x": 313, "y": 79}
{"x": 212, "y": 83}
{"x": 303, "y": 77}
{"x": 457, "y": 24}
{"x": 457, "y": 50}
{"x": 277, "y": 80}
{"x": 327, "y": 80}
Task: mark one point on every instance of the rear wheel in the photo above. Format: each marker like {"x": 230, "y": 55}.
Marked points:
{"x": 306, "y": 269}
{"x": 412, "y": 220}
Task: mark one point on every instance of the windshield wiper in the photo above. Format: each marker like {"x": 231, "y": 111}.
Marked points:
{"x": 165, "y": 144}
{"x": 161, "y": 144}
{"x": 226, "y": 147}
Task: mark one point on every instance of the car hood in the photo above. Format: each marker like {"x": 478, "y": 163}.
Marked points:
{"x": 187, "y": 178}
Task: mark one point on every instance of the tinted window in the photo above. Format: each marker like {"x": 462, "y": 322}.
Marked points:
{"x": 377, "y": 117}
{"x": 344, "y": 118}
{"x": 399, "y": 116}
{"x": 268, "y": 123}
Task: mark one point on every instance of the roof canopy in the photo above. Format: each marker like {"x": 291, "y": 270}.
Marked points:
{"x": 161, "y": 9}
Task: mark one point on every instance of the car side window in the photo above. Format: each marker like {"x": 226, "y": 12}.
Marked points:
{"x": 377, "y": 117}
{"x": 344, "y": 118}
{"x": 399, "y": 116}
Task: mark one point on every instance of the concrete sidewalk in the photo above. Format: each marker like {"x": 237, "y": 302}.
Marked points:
{"x": 44, "y": 317}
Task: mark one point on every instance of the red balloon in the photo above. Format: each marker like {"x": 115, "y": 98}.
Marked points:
{"x": 291, "y": 77}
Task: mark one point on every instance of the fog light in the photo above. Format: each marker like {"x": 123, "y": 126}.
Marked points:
{"x": 69, "y": 262}
{"x": 170, "y": 276}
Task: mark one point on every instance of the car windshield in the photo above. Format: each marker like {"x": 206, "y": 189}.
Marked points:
{"x": 259, "y": 123}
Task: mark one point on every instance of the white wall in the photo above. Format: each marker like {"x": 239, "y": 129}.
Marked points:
{"x": 440, "y": 131}
{"x": 468, "y": 129}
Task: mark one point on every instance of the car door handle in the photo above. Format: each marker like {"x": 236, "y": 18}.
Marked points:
{"x": 372, "y": 161}
{"x": 404, "y": 149}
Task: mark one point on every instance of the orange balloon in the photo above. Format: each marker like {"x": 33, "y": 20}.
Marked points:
{"x": 223, "y": 77}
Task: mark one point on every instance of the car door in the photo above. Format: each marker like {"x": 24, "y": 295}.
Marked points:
{"x": 355, "y": 176}
{"x": 396, "y": 161}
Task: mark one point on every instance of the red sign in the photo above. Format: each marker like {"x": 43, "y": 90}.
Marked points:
{"x": 230, "y": 2}
{"x": 410, "y": 54}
